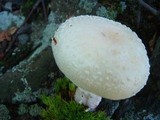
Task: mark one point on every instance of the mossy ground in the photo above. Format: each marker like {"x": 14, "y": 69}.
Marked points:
{"x": 61, "y": 106}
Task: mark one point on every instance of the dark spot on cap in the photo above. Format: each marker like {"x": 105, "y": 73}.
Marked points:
{"x": 54, "y": 41}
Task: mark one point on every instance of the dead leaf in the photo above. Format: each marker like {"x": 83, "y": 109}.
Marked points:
{"x": 12, "y": 30}
{"x": 6, "y": 35}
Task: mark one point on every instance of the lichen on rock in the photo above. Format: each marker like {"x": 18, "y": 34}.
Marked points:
{"x": 8, "y": 19}
{"x": 4, "y": 112}
{"x": 108, "y": 13}
{"x": 87, "y": 5}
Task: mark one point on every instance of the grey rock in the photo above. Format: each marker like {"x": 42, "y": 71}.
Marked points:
{"x": 7, "y": 20}
{"x": 8, "y": 6}
{"x": 108, "y": 13}
{"x": 109, "y": 105}
{"x": 35, "y": 72}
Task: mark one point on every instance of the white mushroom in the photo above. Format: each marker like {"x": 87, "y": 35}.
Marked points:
{"x": 101, "y": 56}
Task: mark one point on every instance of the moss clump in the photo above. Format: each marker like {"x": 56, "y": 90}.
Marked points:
{"x": 61, "y": 85}
{"x": 61, "y": 105}
{"x": 59, "y": 109}
{"x": 65, "y": 88}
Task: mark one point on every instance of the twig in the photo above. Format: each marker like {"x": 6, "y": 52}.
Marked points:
{"x": 124, "y": 105}
{"x": 44, "y": 10}
{"x": 34, "y": 8}
{"x": 148, "y": 7}
{"x": 138, "y": 16}
{"x": 28, "y": 17}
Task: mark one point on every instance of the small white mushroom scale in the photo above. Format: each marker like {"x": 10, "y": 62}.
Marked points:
{"x": 101, "y": 56}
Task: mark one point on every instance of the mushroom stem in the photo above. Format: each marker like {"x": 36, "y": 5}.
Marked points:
{"x": 87, "y": 98}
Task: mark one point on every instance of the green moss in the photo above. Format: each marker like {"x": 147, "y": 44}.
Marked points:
{"x": 65, "y": 88}
{"x": 61, "y": 85}
{"x": 59, "y": 109}
{"x": 61, "y": 105}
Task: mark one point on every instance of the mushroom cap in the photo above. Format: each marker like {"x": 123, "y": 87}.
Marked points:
{"x": 101, "y": 56}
